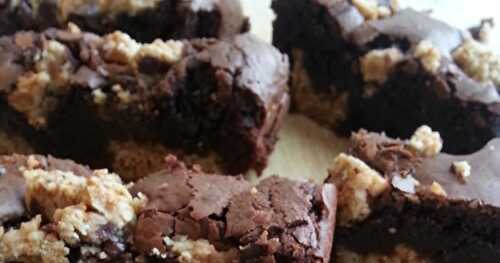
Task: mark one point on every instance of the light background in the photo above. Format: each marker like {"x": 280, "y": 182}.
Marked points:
{"x": 305, "y": 150}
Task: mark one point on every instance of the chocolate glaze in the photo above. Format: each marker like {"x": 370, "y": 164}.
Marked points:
{"x": 168, "y": 19}
{"x": 333, "y": 36}
{"x": 462, "y": 226}
{"x": 225, "y": 96}
{"x": 276, "y": 221}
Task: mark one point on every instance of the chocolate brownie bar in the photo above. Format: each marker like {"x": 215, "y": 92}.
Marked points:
{"x": 113, "y": 102}
{"x": 359, "y": 64}
{"x": 213, "y": 218}
{"x": 144, "y": 20}
{"x": 60, "y": 211}
{"x": 57, "y": 211}
{"x": 404, "y": 201}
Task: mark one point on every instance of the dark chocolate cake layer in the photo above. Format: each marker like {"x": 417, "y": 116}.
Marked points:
{"x": 63, "y": 212}
{"x": 144, "y": 20}
{"x": 112, "y": 102}
{"x": 278, "y": 220}
{"x": 358, "y": 65}
{"x": 396, "y": 202}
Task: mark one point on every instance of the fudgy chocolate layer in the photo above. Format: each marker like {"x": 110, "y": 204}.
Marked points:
{"x": 330, "y": 45}
{"x": 77, "y": 95}
{"x": 144, "y": 20}
{"x": 442, "y": 213}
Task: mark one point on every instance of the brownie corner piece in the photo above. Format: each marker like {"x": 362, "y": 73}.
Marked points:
{"x": 360, "y": 65}
{"x": 144, "y": 20}
{"x": 214, "y": 218}
{"x": 110, "y": 101}
{"x": 404, "y": 200}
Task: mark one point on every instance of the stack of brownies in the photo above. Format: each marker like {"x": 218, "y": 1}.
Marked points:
{"x": 126, "y": 126}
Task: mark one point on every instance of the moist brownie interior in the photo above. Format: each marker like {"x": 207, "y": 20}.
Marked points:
{"x": 144, "y": 20}
{"x": 397, "y": 202}
{"x": 112, "y": 102}
{"x": 379, "y": 68}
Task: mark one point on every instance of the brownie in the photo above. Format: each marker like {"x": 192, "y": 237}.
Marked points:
{"x": 405, "y": 201}
{"x": 144, "y": 20}
{"x": 57, "y": 211}
{"x": 214, "y": 218}
{"x": 360, "y": 64}
{"x": 113, "y": 102}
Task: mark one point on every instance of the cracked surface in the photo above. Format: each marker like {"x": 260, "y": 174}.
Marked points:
{"x": 435, "y": 215}
{"x": 146, "y": 20}
{"x": 276, "y": 220}
{"x": 78, "y": 95}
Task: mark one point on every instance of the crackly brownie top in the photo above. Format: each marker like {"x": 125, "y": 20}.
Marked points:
{"x": 119, "y": 73}
{"x": 276, "y": 219}
{"x": 415, "y": 168}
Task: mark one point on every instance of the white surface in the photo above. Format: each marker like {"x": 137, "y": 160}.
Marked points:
{"x": 459, "y": 13}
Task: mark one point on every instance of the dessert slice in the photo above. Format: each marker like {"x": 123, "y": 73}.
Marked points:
{"x": 211, "y": 218}
{"x": 56, "y": 211}
{"x": 113, "y": 102}
{"x": 403, "y": 201}
{"x": 144, "y": 20}
{"x": 361, "y": 64}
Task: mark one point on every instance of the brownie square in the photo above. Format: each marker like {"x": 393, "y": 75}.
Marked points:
{"x": 404, "y": 201}
{"x": 113, "y": 102}
{"x": 360, "y": 64}
{"x": 214, "y": 218}
{"x": 144, "y": 20}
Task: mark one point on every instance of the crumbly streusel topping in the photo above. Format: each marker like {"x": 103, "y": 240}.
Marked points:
{"x": 371, "y": 10}
{"x": 357, "y": 183}
{"x": 478, "y": 62}
{"x": 197, "y": 251}
{"x": 31, "y": 244}
{"x": 376, "y": 65}
{"x": 462, "y": 169}
{"x": 103, "y": 192}
{"x": 429, "y": 56}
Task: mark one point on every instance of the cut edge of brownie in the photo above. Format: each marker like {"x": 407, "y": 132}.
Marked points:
{"x": 354, "y": 67}
{"x": 406, "y": 200}
{"x": 99, "y": 100}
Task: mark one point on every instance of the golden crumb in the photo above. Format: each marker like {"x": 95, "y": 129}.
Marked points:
{"x": 166, "y": 51}
{"x": 198, "y": 251}
{"x": 378, "y": 64}
{"x": 99, "y": 96}
{"x": 31, "y": 244}
{"x": 429, "y": 56}
{"x": 120, "y": 48}
{"x": 357, "y": 183}
{"x": 462, "y": 169}
{"x": 368, "y": 8}
{"x": 426, "y": 142}
{"x": 437, "y": 189}
{"x": 76, "y": 224}
{"x": 478, "y": 62}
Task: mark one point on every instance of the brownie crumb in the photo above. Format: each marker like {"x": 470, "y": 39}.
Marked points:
{"x": 378, "y": 64}
{"x": 426, "y": 142}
